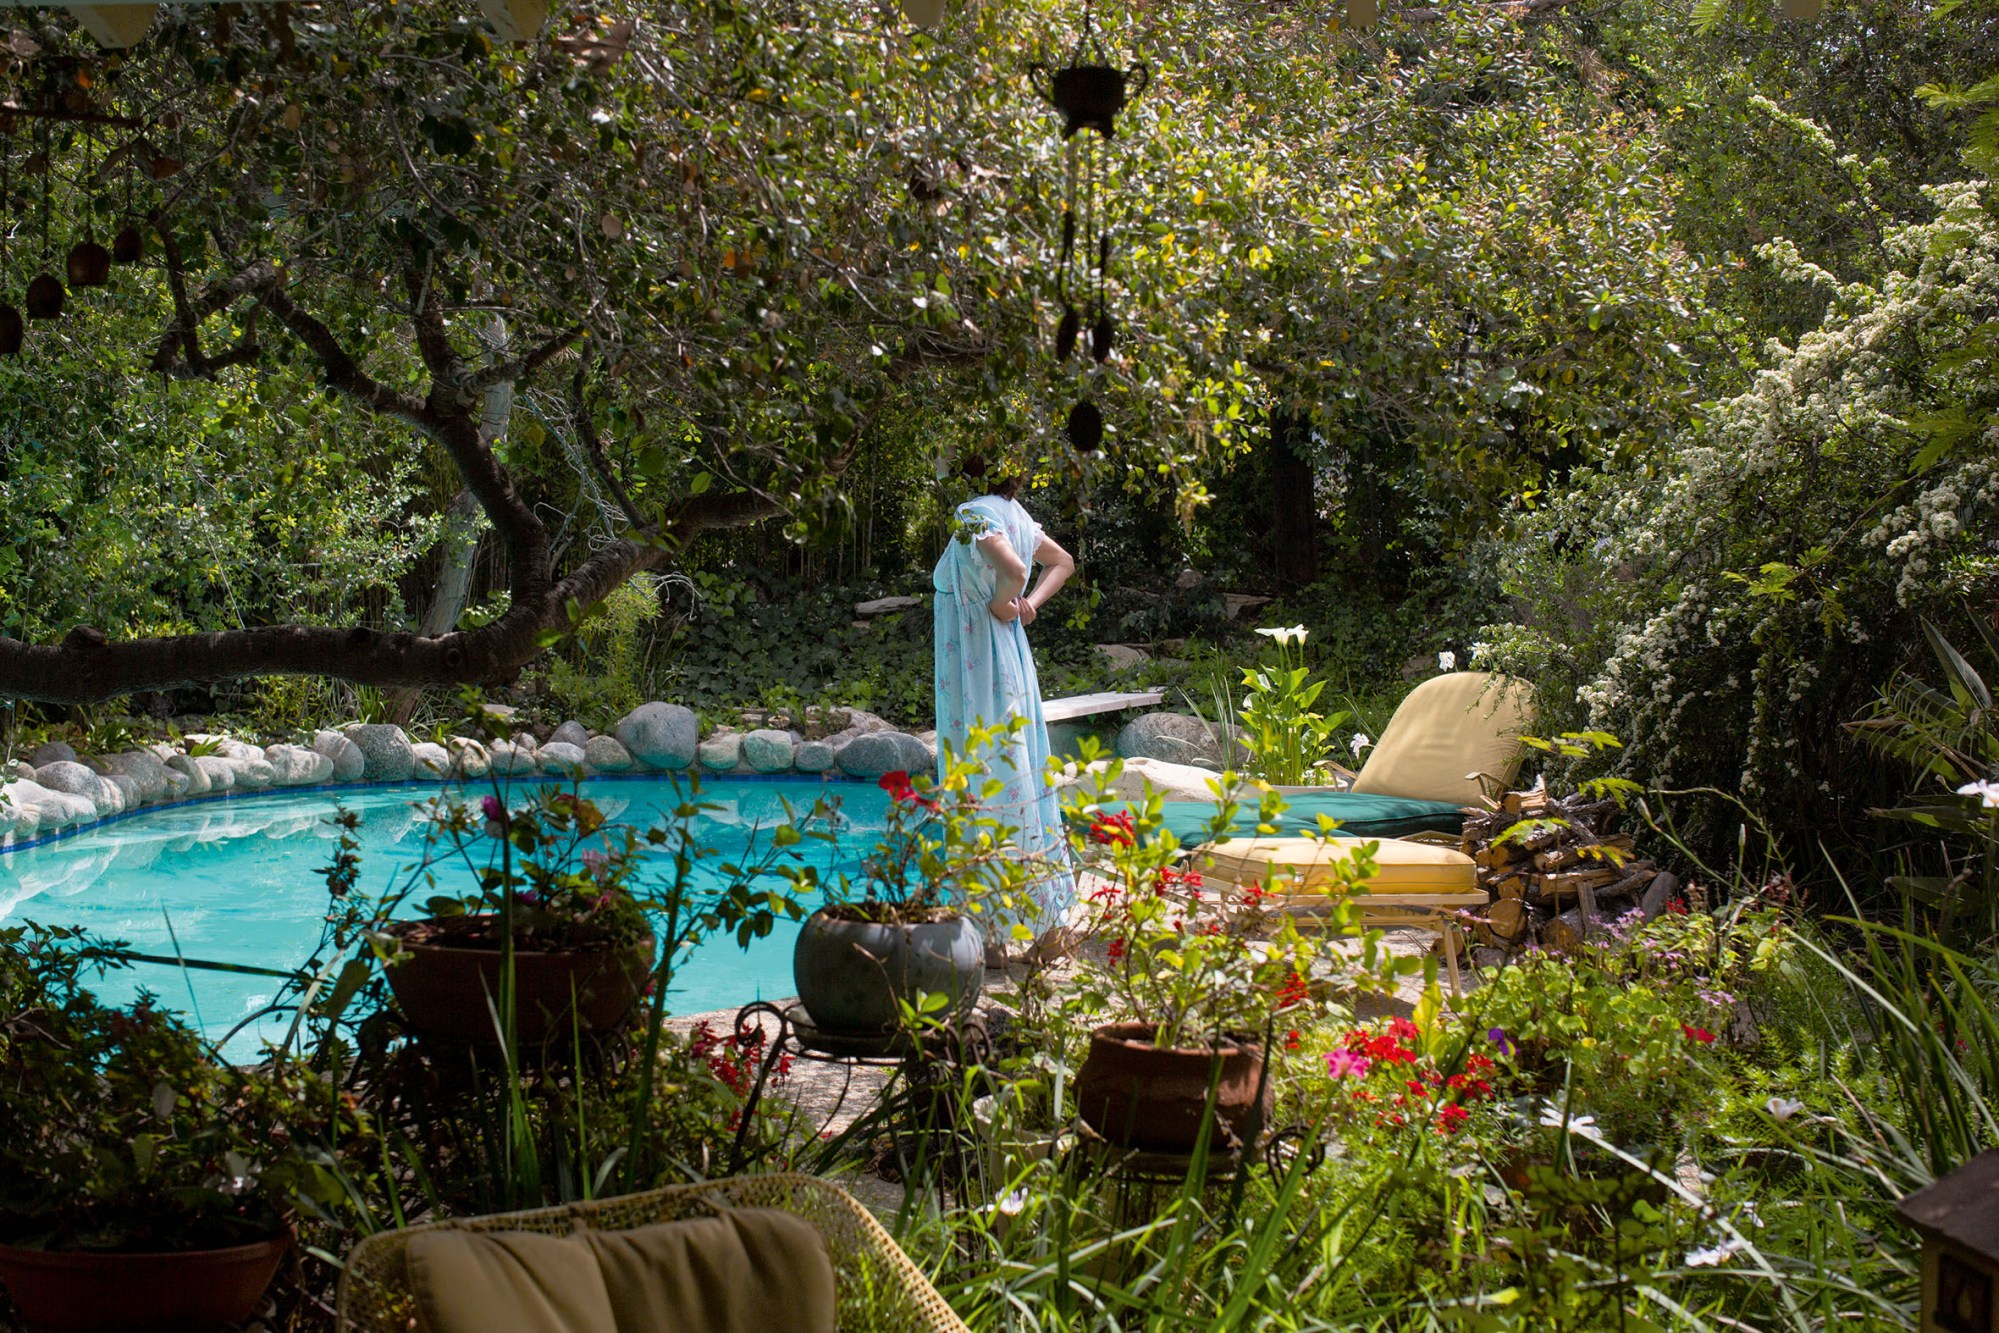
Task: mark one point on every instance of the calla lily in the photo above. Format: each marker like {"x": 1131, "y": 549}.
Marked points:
{"x": 1987, "y": 793}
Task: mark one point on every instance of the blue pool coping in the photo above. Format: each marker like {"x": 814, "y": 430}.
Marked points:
{"x": 510, "y": 779}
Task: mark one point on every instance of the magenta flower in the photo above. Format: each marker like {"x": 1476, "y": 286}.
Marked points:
{"x": 1498, "y": 1037}
{"x": 494, "y": 810}
{"x": 1344, "y": 1063}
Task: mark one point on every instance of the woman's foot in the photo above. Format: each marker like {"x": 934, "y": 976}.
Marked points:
{"x": 1055, "y": 944}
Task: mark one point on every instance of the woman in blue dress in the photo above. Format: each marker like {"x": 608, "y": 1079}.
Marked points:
{"x": 985, "y": 677}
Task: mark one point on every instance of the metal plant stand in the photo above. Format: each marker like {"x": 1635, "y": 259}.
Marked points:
{"x": 923, "y": 1063}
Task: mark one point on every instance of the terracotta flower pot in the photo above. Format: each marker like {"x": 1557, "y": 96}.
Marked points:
{"x": 442, "y": 987}
{"x": 851, "y": 974}
{"x": 91, "y": 1291}
{"x": 1155, "y": 1099}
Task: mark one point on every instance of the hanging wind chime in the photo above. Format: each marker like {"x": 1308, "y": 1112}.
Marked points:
{"x": 1089, "y": 92}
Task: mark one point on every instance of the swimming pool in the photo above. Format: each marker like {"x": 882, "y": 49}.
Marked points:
{"x": 242, "y": 881}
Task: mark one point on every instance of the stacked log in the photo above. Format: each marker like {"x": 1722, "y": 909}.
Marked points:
{"x": 1557, "y": 872}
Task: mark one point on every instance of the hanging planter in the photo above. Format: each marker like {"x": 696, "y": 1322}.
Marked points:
{"x": 128, "y": 246}
{"x": 13, "y": 331}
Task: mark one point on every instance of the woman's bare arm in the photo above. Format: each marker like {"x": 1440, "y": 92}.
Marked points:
{"x": 999, "y": 553}
{"x": 1056, "y": 567}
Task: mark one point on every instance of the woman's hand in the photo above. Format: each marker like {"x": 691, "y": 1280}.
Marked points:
{"x": 1005, "y": 609}
{"x": 1027, "y": 611}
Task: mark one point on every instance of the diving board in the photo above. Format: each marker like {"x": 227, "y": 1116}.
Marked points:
{"x": 1107, "y": 701}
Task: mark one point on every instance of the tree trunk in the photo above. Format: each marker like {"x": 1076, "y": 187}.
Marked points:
{"x": 464, "y": 521}
{"x": 1294, "y": 507}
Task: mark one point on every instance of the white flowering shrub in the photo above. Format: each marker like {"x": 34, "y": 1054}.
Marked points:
{"x": 1727, "y": 613}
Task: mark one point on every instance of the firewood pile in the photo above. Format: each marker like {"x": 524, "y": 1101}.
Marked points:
{"x": 1557, "y": 872}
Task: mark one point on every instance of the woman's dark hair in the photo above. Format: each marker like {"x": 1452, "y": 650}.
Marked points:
{"x": 978, "y": 468}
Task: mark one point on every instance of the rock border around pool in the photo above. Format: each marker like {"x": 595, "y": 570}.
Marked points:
{"x": 55, "y": 790}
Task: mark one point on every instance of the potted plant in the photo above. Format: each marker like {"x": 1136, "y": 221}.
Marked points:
{"x": 551, "y": 940}
{"x": 143, "y": 1182}
{"x": 859, "y": 960}
{"x": 1198, "y": 975}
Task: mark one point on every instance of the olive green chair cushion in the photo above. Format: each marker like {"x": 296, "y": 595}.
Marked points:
{"x": 748, "y": 1270}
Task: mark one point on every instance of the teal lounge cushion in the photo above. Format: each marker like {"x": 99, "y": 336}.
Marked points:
{"x": 1360, "y": 816}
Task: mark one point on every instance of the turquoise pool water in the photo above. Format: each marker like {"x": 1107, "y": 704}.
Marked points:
{"x": 241, "y": 881}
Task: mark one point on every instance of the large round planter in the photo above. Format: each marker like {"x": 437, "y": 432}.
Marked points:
{"x": 851, "y": 975}
{"x": 88, "y": 1291}
{"x": 1140, "y": 1096}
{"x": 443, "y": 989}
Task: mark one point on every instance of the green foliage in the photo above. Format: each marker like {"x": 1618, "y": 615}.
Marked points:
{"x": 120, "y": 1129}
{"x": 597, "y": 678}
{"x": 1286, "y": 740}
{"x": 1729, "y": 613}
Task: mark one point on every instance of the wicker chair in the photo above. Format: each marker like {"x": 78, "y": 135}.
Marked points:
{"x": 876, "y": 1286}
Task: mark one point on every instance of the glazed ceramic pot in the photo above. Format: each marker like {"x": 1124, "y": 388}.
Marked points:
{"x": 852, "y": 975}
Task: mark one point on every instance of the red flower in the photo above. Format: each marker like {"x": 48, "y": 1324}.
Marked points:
{"x": 1117, "y": 950}
{"x": 1292, "y": 1041}
{"x": 1292, "y": 992}
{"x": 1677, "y": 907}
{"x": 1701, "y": 1035}
{"x": 1451, "y": 1118}
{"x": 1114, "y": 830}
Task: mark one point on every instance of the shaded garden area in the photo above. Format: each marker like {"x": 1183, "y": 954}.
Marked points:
{"x": 1533, "y": 815}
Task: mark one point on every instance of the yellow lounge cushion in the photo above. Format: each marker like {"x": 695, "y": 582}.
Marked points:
{"x": 1303, "y": 867}
{"x": 749, "y": 1270}
{"x": 1452, "y": 725}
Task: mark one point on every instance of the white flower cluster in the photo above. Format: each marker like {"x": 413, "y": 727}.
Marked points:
{"x": 1783, "y": 527}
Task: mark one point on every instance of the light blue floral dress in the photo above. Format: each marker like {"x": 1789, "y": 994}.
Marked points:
{"x": 985, "y": 676}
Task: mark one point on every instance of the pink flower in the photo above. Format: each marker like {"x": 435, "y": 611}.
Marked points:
{"x": 1344, "y": 1063}
{"x": 493, "y": 809}
{"x": 594, "y": 862}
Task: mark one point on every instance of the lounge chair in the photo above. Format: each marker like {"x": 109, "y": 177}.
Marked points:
{"x": 1453, "y": 735}
{"x": 584, "y": 1268}
{"x": 1414, "y": 883}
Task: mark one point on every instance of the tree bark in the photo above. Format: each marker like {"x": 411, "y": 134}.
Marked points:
{"x": 88, "y": 667}
{"x": 1294, "y": 506}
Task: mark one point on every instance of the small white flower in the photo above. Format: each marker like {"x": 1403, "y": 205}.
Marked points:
{"x": 1447, "y": 661}
{"x": 1783, "y": 1108}
{"x": 1583, "y": 1126}
{"x": 1011, "y": 1203}
{"x": 164, "y": 1099}
{"x": 1361, "y": 740}
{"x": 1717, "y": 1256}
{"x": 1987, "y": 793}
{"x": 1480, "y": 649}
